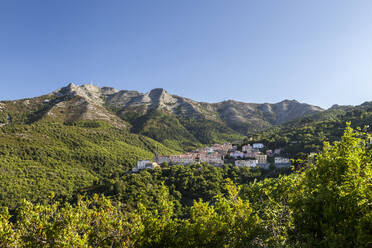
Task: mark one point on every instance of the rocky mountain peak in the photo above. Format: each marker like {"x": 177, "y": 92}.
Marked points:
{"x": 70, "y": 88}
{"x": 158, "y": 91}
{"x": 89, "y": 92}
{"x": 90, "y": 88}
{"x": 240, "y": 116}
{"x": 108, "y": 90}
{"x": 159, "y": 97}
{"x": 289, "y": 101}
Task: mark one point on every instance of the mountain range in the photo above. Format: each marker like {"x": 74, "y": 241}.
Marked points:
{"x": 173, "y": 120}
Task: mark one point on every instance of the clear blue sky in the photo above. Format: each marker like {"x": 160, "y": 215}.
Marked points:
{"x": 319, "y": 52}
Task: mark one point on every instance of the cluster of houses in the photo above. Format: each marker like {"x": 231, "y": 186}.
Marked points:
{"x": 213, "y": 155}
{"x": 252, "y": 156}
{"x": 247, "y": 156}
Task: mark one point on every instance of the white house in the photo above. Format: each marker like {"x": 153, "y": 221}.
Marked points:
{"x": 144, "y": 164}
{"x": 282, "y": 162}
{"x": 246, "y": 163}
{"x": 141, "y": 164}
{"x": 258, "y": 145}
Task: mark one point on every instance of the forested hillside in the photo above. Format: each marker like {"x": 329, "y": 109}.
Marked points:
{"x": 307, "y": 134}
{"x": 326, "y": 204}
{"x": 49, "y": 157}
{"x": 182, "y": 133}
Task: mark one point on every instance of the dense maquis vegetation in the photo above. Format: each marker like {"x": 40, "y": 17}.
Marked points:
{"x": 185, "y": 184}
{"x": 326, "y": 204}
{"x": 44, "y": 157}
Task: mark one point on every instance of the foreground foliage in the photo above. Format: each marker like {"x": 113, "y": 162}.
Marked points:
{"x": 334, "y": 209}
{"x": 230, "y": 222}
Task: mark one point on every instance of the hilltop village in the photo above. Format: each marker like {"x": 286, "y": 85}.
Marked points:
{"x": 250, "y": 155}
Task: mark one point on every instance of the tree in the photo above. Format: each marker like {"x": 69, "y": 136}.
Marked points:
{"x": 230, "y": 222}
{"x": 333, "y": 206}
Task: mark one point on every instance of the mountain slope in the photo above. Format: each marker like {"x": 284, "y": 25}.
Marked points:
{"x": 207, "y": 123}
{"x": 178, "y": 122}
{"x": 307, "y": 134}
{"x": 250, "y": 117}
{"x": 231, "y": 113}
{"x": 68, "y": 104}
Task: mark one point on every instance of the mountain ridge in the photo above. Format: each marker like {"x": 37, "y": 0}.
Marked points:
{"x": 156, "y": 113}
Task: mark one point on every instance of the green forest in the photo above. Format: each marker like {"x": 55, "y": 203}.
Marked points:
{"x": 327, "y": 203}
